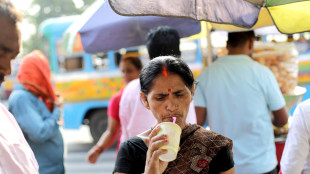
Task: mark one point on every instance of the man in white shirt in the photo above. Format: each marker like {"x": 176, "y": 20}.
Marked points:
{"x": 134, "y": 116}
{"x": 296, "y": 155}
{"x": 16, "y": 157}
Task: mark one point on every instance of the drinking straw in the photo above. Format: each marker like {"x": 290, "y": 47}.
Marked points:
{"x": 174, "y": 119}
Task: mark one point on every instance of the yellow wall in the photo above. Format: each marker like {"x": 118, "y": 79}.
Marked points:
{"x": 94, "y": 89}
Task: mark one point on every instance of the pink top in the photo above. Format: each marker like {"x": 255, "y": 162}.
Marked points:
{"x": 135, "y": 118}
{"x": 113, "y": 110}
{"x": 16, "y": 157}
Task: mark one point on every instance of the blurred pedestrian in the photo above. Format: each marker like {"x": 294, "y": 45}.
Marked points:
{"x": 135, "y": 118}
{"x": 16, "y": 157}
{"x": 130, "y": 68}
{"x": 35, "y": 107}
{"x": 236, "y": 95}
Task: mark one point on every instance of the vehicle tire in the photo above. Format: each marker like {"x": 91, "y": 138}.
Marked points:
{"x": 98, "y": 123}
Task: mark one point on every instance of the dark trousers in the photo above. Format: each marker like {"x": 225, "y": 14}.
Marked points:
{"x": 274, "y": 171}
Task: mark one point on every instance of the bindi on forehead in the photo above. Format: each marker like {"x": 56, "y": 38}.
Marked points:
{"x": 166, "y": 75}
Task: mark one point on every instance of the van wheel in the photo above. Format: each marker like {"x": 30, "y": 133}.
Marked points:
{"x": 98, "y": 124}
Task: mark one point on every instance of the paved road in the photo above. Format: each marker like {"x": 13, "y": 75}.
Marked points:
{"x": 78, "y": 142}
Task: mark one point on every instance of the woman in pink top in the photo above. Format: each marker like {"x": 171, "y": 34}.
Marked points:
{"x": 130, "y": 67}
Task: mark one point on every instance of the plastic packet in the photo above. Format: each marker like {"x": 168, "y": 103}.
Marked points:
{"x": 282, "y": 60}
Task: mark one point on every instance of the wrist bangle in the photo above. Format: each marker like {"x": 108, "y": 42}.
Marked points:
{"x": 98, "y": 148}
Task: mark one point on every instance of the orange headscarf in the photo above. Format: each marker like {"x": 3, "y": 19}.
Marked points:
{"x": 34, "y": 74}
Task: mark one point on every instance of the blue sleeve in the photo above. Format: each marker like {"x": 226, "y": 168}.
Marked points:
{"x": 273, "y": 95}
{"x": 26, "y": 113}
{"x": 199, "y": 97}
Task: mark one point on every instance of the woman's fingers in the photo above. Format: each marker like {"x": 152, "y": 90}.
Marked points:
{"x": 153, "y": 158}
{"x": 155, "y": 145}
{"x": 158, "y": 152}
{"x": 154, "y": 132}
{"x": 92, "y": 156}
{"x": 153, "y": 137}
{"x": 158, "y": 138}
{"x": 154, "y": 164}
{"x": 92, "y": 159}
{"x": 157, "y": 142}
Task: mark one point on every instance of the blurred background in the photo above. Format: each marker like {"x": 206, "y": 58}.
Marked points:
{"x": 86, "y": 79}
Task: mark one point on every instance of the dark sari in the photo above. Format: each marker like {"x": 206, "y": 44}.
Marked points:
{"x": 201, "y": 151}
{"x": 198, "y": 147}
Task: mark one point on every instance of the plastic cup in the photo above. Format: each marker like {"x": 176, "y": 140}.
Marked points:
{"x": 173, "y": 131}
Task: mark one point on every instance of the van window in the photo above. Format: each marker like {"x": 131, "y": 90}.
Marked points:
{"x": 67, "y": 64}
{"x": 100, "y": 61}
{"x": 74, "y": 64}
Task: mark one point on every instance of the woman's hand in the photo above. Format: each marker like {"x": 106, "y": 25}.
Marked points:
{"x": 93, "y": 154}
{"x": 60, "y": 101}
{"x": 59, "y": 104}
{"x": 153, "y": 164}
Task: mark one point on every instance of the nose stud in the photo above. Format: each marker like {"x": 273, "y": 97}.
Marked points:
{"x": 177, "y": 106}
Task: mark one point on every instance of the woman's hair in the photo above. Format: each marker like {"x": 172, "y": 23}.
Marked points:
{"x": 135, "y": 61}
{"x": 158, "y": 65}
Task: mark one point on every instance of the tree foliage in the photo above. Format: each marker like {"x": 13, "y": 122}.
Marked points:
{"x": 49, "y": 9}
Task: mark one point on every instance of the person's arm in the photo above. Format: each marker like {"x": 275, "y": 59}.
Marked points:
{"x": 153, "y": 165}
{"x": 280, "y": 117}
{"x": 200, "y": 104}
{"x": 130, "y": 157}
{"x": 223, "y": 162}
{"x": 297, "y": 144}
{"x": 105, "y": 141}
{"x": 26, "y": 113}
{"x": 274, "y": 98}
{"x": 230, "y": 171}
{"x": 124, "y": 160}
{"x": 201, "y": 114}
{"x": 14, "y": 148}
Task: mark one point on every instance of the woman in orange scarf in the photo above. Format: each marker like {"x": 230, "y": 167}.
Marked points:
{"x": 34, "y": 105}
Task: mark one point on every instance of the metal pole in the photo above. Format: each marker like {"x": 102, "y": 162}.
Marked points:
{"x": 209, "y": 45}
